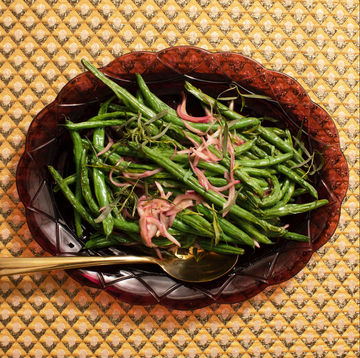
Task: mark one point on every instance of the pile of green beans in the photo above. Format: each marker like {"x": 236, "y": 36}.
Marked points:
{"x": 271, "y": 170}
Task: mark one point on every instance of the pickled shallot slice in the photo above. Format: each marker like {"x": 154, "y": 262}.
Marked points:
{"x": 181, "y": 202}
{"x": 192, "y": 129}
{"x": 108, "y": 146}
{"x": 146, "y": 174}
{"x": 157, "y": 214}
{"x": 182, "y": 113}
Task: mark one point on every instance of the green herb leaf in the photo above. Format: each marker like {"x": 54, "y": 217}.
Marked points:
{"x": 198, "y": 254}
{"x": 232, "y": 202}
{"x": 107, "y": 210}
{"x": 156, "y": 117}
{"x": 159, "y": 135}
{"x": 225, "y": 139}
{"x": 216, "y": 225}
{"x": 188, "y": 174}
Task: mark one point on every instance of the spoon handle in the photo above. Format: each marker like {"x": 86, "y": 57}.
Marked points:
{"x": 22, "y": 265}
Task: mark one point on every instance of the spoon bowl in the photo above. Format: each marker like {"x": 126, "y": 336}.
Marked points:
{"x": 182, "y": 266}
{"x": 209, "y": 267}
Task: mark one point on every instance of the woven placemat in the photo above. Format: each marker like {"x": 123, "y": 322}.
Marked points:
{"x": 315, "y": 314}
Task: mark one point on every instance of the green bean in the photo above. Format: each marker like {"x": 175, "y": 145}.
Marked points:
{"x": 293, "y": 236}
{"x": 296, "y": 237}
{"x": 278, "y": 131}
{"x": 180, "y": 158}
{"x": 244, "y": 147}
{"x": 102, "y": 198}
{"x": 115, "y": 160}
{"x": 123, "y": 150}
{"x": 219, "y": 182}
{"x": 71, "y": 179}
{"x": 85, "y": 184}
{"x": 103, "y": 242}
{"x": 165, "y": 183}
{"x": 298, "y": 192}
{"x": 115, "y": 212}
{"x": 205, "y": 228}
{"x": 184, "y": 158}
{"x": 264, "y": 162}
{"x": 197, "y": 222}
{"x": 288, "y": 137}
{"x": 294, "y": 208}
{"x": 140, "y": 97}
{"x": 188, "y": 241}
{"x": 220, "y": 248}
{"x": 127, "y": 226}
{"x": 277, "y": 141}
{"x": 269, "y": 200}
{"x": 297, "y": 179}
{"x": 292, "y": 174}
{"x": 247, "y": 156}
{"x": 114, "y": 107}
{"x": 94, "y": 124}
{"x": 71, "y": 198}
{"x": 179, "y": 134}
{"x": 100, "y": 185}
{"x": 286, "y": 193}
{"x": 178, "y": 224}
{"x": 227, "y": 227}
{"x": 125, "y": 96}
{"x": 290, "y": 163}
{"x": 111, "y": 115}
{"x": 224, "y": 163}
{"x": 252, "y": 231}
{"x": 105, "y": 106}
{"x": 245, "y": 178}
{"x": 77, "y": 150}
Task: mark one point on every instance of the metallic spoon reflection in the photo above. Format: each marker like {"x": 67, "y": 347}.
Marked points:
{"x": 182, "y": 266}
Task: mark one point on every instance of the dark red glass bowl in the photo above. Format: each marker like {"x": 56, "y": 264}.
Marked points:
{"x": 49, "y": 216}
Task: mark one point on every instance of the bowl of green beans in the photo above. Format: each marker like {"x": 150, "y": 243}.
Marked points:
{"x": 183, "y": 148}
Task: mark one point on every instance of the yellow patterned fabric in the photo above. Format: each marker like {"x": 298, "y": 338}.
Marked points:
{"x": 49, "y": 314}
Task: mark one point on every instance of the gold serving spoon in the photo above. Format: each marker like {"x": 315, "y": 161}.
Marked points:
{"x": 182, "y": 266}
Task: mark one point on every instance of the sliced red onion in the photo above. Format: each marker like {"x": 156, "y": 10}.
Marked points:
{"x": 112, "y": 172}
{"x": 108, "y": 146}
{"x": 191, "y": 195}
{"x": 195, "y": 144}
{"x": 238, "y": 141}
{"x": 184, "y": 151}
{"x": 144, "y": 231}
{"x": 192, "y": 129}
{"x": 161, "y": 190}
{"x": 161, "y": 228}
{"x": 186, "y": 203}
{"x": 173, "y": 155}
{"x": 182, "y": 113}
{"x": 212, "y": 156}
{"x": 232, "y": 192}
{"x": 158, "y": 253}
{"x": 126, "y": 214}
{"x": 203, "y": 181}
{"x": 146, "y": 174}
